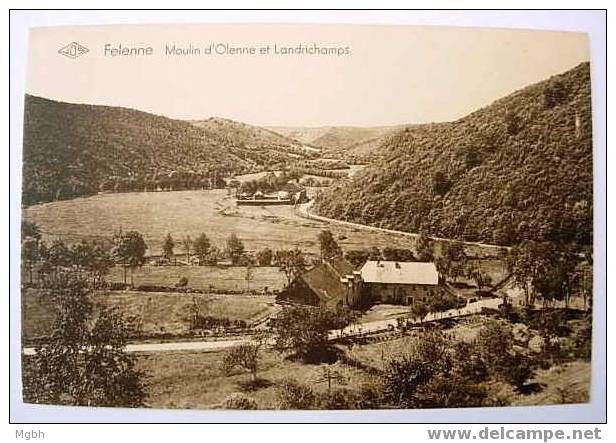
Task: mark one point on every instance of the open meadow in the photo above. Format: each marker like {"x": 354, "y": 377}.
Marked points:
{"x": 155, "y": 313}
{"x": 205, "y": 278}
{"x": 182, "y": 213}
{"x": 213, "y": 212}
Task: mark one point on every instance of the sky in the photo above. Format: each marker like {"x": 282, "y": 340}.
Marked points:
{"x": 389, "y": 75}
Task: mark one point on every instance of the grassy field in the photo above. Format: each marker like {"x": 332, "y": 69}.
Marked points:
{"x": 204, "y": 277}
{"x": 566, "y": 383}
{"x": 195, "y": 380}
{"x": 191, "y": 212}
{"x": 157, "y": 313}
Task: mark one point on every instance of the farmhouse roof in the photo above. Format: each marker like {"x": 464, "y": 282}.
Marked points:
{"x": 405, "y": 273}
{"x": 325, "y": 279}
{"x": 340, "y": 266}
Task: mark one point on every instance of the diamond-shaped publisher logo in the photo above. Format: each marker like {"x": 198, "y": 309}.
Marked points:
{"x": 73, "y": 50}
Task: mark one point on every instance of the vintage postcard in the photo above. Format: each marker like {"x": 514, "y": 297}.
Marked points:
{"x": 301, "y": 217}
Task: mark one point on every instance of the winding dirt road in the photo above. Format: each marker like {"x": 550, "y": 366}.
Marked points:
{"x": 303, "y": 210}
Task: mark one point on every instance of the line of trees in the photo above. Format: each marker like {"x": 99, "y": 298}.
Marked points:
{"x": 91, "y": 260}
{"x": 205, "y": 252}
{"x": 269, "y": 183}
{"x": 451, "y": 261}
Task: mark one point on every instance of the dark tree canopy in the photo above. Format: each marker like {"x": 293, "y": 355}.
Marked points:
{"x": 202, "y": 247}
{"x": 329, "y": 246}
{"x": 235, "y": 249}
{"x": 291, "y": 262}
{"x": 129, "y": 250}
{"x": 435, "y": 374}
{"x": 83, "y": 362}
{"x": 303, "y": 330}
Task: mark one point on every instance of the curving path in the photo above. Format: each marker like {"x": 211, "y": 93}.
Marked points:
{"x": 303, "y": 210}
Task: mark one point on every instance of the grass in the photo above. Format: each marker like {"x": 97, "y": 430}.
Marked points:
{"x": 204, "y": 277}
{"x": 171, "y": 313}
{"x": 184, "y": 213}
{"x": 179, "y": 213}
{"x": 195, "y": 380}
{"x": 157, "y": 313}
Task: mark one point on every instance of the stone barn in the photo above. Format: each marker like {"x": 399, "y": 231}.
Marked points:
{"x": 399, "y": 282}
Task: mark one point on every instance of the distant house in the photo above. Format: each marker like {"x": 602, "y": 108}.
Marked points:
{"x": 332, "y": 284}
{"x": 399, "y": 282}
{"x": 295, "y": 192}
{"x": 286, "y": 194}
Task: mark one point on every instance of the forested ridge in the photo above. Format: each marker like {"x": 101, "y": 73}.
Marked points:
{"x": 74, "y": 150}
{"x": 264, "y": 139}
{"x": 518, "y": 169}
{"x": 354, "y": 144}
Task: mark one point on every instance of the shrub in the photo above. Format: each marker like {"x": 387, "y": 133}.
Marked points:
{"x": 554, "y": 94}
{"x": 518, "y": 370}
{"x": 439, "y": 372}
{"x": 293, "y": 395}
{"x": 582, "y": 339}
{"x": 245, "y": 356}
{"x": 264, "y": 257}
{"x": 240, "y": 401}
{"x": 357, "y": 257}
{"x": 117, "y": 286}
{"x": 305, "y": 330}
{"x": 209, "y": 322}
{"x": 340, "y": 399}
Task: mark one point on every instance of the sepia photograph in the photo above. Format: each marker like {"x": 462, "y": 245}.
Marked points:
{"x": 306, "y": 217}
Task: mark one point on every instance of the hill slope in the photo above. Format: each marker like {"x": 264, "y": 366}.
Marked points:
{"x": 518, "y": 169}
{"x": 343, "y": 142}
{"x": 74, "y": 150}
{"x": 256, "y": 137}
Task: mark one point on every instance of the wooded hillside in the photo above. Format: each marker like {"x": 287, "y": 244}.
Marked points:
{"x": 75, "y": 150}
{"x": 520, "y": 168}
